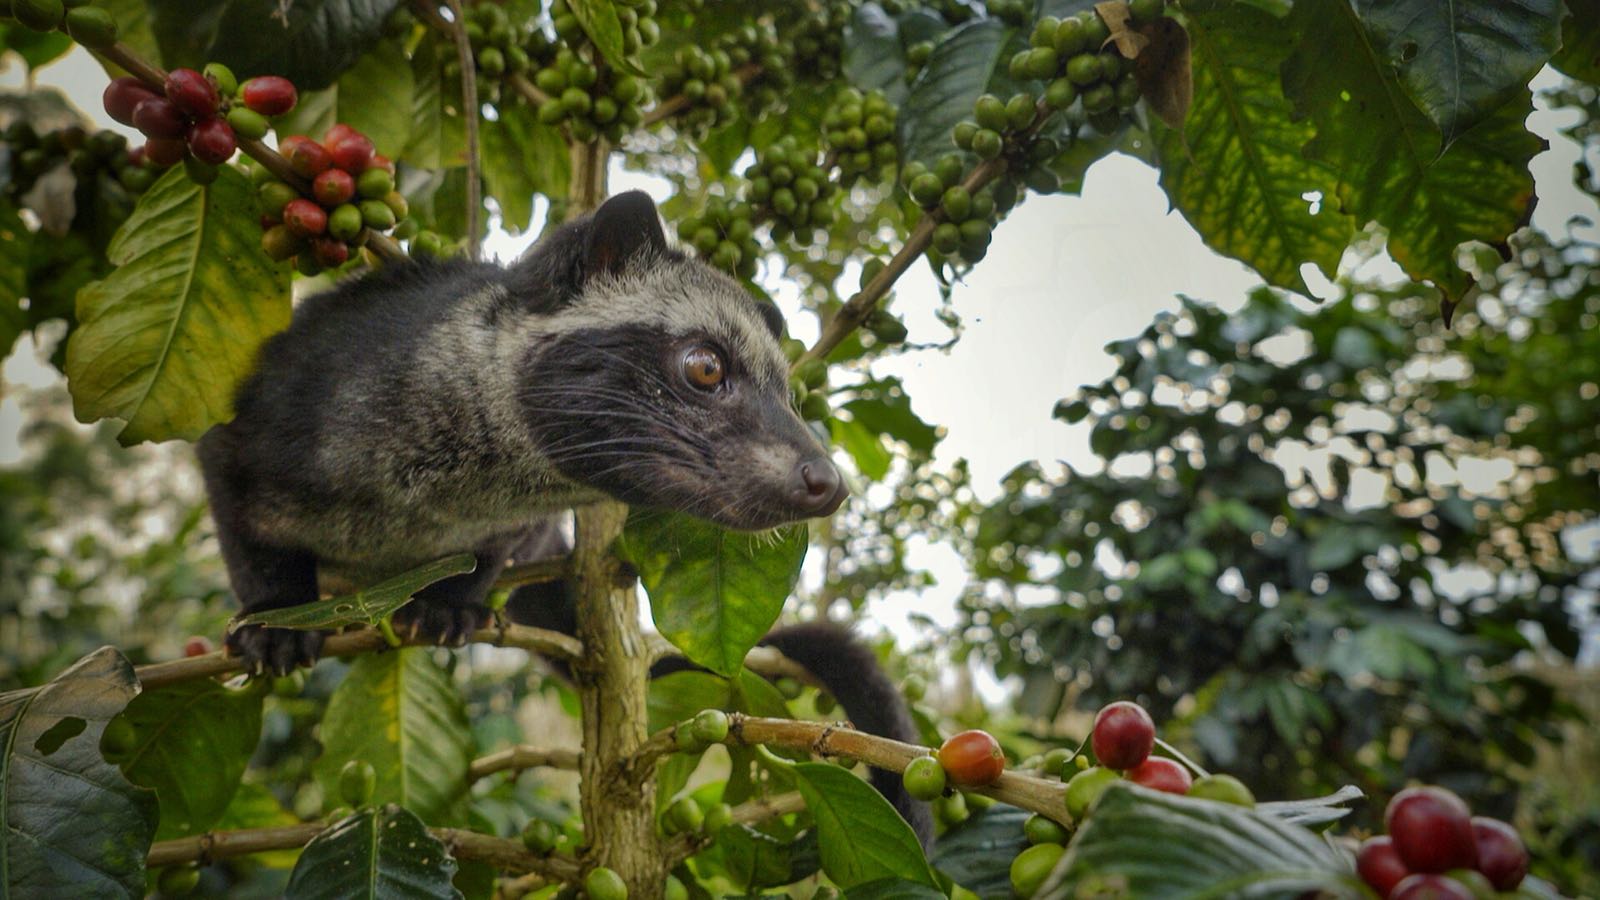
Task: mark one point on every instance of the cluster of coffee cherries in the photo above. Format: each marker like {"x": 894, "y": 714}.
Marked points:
{"x": 1011, "y": 12}
{"x": 1436, "y": 849}
{"x": 90, "y": 26}
{"x": 818, "y": 38}
{"x": 968, "y": 217}
{"x": 497, "y": 49}
{"x": 757, "y": 44}
{"x": 589, "y": 100}
{"x": 858, "y": 132}
{"x": 706, "y": 79}
{"x": 197, "y": 118}
{"x": 1072, "y": 58}
{"x": 352, "y": 189}
{"x": 724, "y": 235}
{"x": 637, "y": 18}
{"x": 32, "y": 154}
{"x": 789, "y": 186}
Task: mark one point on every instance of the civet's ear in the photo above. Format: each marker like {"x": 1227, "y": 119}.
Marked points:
{"x": 624, "y": 227}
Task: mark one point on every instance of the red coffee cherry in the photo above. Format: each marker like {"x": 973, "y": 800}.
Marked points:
{"x": 122, "y": 95}
{"x": 330, "y": 253}
{"x": 333, "y": 187}
{"x": 1431, "y": 887}
{"x": 352, "y": 153}
{"x": 1380, "y": 865}
{"x": 1432, "y": 830}
{"x": 162, "y": 153}
{"x": 337, "y": 133}
{"x": 972, "y": 758}
{"x": 212, "y": 141}
{"x": 192, "y": 92}
{"x": 1124, "y": 735}
{"x": 269, "y": 95}
{"x": 304, "y": 217}
{"x": 159, "y": 117}
{"x": 379, "y": 161}
{"x": 1502, "y": 857}
{"x": 196, "y": 646}
{"x": 309, "y": 158}
{"x": 1161, "y": 774}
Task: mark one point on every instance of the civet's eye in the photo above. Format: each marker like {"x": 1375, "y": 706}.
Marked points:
{"x": 703, "y": 368}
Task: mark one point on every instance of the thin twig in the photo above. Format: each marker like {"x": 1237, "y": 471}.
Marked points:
{"x": 529, "y": 91}
{"x": 270, "y": 159}
{"x": 470, "y": 113}
{"x": 749, "y": 812}
{"x": 504, "y": 854}
{"x": 354, "y": 643}
{"x": 520, "y": 757}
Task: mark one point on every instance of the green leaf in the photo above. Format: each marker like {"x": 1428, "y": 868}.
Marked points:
{"x": 1312, "y": 811}
{"x": 17, "y": 239}
{"x": 364, "y": 607}
{"x": 194, "y": 741}
{"x": 599, "y": 21}
{"x": 438, "y": 134}
{"x": 965, "y": 63}
{"x": 1387, "y": 154}
{"x": 37, "y": 48}
{"x": 873, "y": 56}
{"x": 374, "y": 96}
{"x": 375, "y": 853}
{"x": 70, "y": 824}
{"x": 164, "y": 340}
{"x": 863, "y": 445}
{"x": 522, "y": 157}
{"x": 894, "y": 889}
{"x": 714, "y": 593}
{"x": 977, "y": 854}
{"x": 885, "y": 407}
{"x": 400, "y": 712}
{"x": 863, "y": 839}
{"x": 1153, "y": 844}
{"x": 753, "y": 859}
{"x": 1460, "y": 61}
{"x": 1240, "y": 179}
{"x": 309, "y": 42}
{"x": 1579, "y": 56}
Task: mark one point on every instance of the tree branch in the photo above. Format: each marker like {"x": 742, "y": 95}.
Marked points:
{"x": 119, "y": 53}
{"x": 520, "y": 757}
{"x": 352, "y": 643}
{"x": 470, "y": 113}
{"x": 503, "y": 853}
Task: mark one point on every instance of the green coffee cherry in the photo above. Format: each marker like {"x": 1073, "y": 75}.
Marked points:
{"x": 1020, "y": 110}
{"x": 947, "y": 238}
{"x": 990, "y": 111}
{"x": 1061, "y": 93}
{"x": 956, "y": 203}
{"x": 926, "y": 189}
{"x": 813, "y": 373}
{"x": 1070, "y": 38}
{"x": 1041, "y": 63}
{"x": 1083, "y": 69}
{"x": 915, "y": 687}
{"x": 1095, "y": 31}
{"x": 1044, "y": 830}
{"x": 687, "y": 740}
{"x": 247, "y": 123}
{"x": 814, "y": 408}
{"x": 962, "y": 134}
{"x": 685, "y": 816}
{"x": 1032, "y": 866}
{"x": 711, "y": 725}
{"x": 344, "y": 222}
{"x": 374, "y": 184}
{"x": 889, "y": 330}
{"x": 987, "y": 144}
{"x": 1044, "y": 32}
{"x": 223, "y": 77}
{"x": 40, "y": 15}
{"x": 951, "y": 809}
{"x": 605, "y": 884}
{"x": 718, "y": 817}
{"x": 924, "y": 778}
{"x": 92, "y": 27}
{"x": 178, "y": 881}
{"x": 275, "y": 195}
{"x": 1224, "y": 789}
{"x": 950, "y": 168}
{"x": 539, "y": 836}
{"x": 1056, "y": 761}
{"x": 1099, "y": 98}
{"x": 357, "y": 780}
{"x": 1085, "y": 788}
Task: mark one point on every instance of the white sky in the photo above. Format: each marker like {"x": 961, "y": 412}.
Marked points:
{"x": 1065, "y": 276}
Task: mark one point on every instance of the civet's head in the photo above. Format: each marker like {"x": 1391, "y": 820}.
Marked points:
{"x": 661, "y": 382}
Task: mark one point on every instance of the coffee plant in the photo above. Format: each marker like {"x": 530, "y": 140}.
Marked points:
{"x": 834, "y": 145}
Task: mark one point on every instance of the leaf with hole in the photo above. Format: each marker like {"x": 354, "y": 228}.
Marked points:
{"x": 70, "y": 824}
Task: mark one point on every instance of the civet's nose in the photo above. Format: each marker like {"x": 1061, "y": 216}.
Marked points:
{"x": 815, "y": 487}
